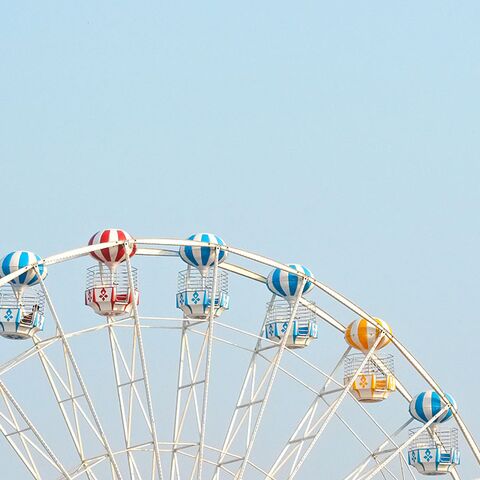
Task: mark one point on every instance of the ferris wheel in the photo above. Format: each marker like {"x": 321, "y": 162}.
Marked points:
{"x": 264, "y": 372}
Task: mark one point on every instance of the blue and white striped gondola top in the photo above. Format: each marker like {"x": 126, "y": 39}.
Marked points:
{"x": 427, "y": 404}
{"x": 203, "y": 257}
{"x": 15, "y": 261}
{"x": 287, "y": 284}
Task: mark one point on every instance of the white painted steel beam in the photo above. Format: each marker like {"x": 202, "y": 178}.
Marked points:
{"x": 145, "y": 247}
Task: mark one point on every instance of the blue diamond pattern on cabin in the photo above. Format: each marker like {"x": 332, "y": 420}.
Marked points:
{"x": 284, "y": 327}
{"x": 414, "y": 458}
{"x": 427, "y": 455}
{"x": 270, "y": 329}
{"x": 180, "y": 299}
{"x": 195, "y": 297}
{"x": 8, "y": 315}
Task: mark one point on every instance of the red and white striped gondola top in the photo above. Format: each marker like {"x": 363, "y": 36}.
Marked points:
{"x": 111, "y": 256}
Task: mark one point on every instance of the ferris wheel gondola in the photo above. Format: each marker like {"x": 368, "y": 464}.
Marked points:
{"x": 433, "y": 452}
{"x": 196, "y": 283}
{"x": 108, "y": 291}
{"x": 22, "y": 306}
{"x": 376, "y": 381}
{"x": 287, "y": 286}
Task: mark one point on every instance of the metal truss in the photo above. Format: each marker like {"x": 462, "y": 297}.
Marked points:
{"x": 193, "y": 389}
{"x": 127, "y": 390}
{"x": 254, "y": 394}
{"x": 313, "y": 424}
{"x": 324, "y": 393}
{"x": 191, "y": 456}
{"x": 24, "y": 438}
{"x": 129, "y": 381}
{"x": 378, "y": 452}
{"x": 71, "y": 391}
{"x": 396, "y": 451}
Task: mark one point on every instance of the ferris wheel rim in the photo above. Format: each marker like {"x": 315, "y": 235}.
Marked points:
{"x": 83, "y": 251}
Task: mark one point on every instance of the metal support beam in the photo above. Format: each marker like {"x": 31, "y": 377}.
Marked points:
{"x": 193, "y": 384}
{"x": 251, "y": 409}
{"x": 71, "y": 362}
{"x": 139, "y": 339}
{"x": 208, "y": 365}
{"x": 10, "y": 428}
{"x": 404, "y": 445}
{"x": 311, "y": 426}
{"x": 126, "y": 379}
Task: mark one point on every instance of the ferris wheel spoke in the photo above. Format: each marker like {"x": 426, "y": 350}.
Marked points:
{"x": 182, "y": 408}
{"x": 126, "y": 378}
{"x": 193, "y": 383}
{"x": 138, "y": 341}
{"x": 76, "y": 389}
{"x": 65, "y": 393}
{"x": 208, "y": 362}
{"x": 377, "y": 451}
{"x": 254, "y": 395}
{"x": 243, "y": 409}
{"x": 325, "y": 392}
{"x": 370, "y": 451}
{"x": 294, "y": 447}
{"x": 394, "y": 452}
{"x": 382, "y": 450}
{"x": 313, "y": 424}
{"x": 390, "y": 438}
{"x": 58, "y": 385}
{"x": 271, "y": 376}
{"x": 25, "y": 355}
{"x": 15, "y": 423}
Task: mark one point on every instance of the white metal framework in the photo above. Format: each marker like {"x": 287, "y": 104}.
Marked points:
{"x": 141, "y": 437}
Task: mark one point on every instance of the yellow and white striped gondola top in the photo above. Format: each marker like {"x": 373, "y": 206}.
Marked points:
{"x": 361, "y": 335}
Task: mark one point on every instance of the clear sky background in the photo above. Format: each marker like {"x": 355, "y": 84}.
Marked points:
{"x": 343, "y": 135}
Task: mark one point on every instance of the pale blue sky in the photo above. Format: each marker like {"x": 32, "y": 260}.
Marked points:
{"x": 343, "y": 135}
